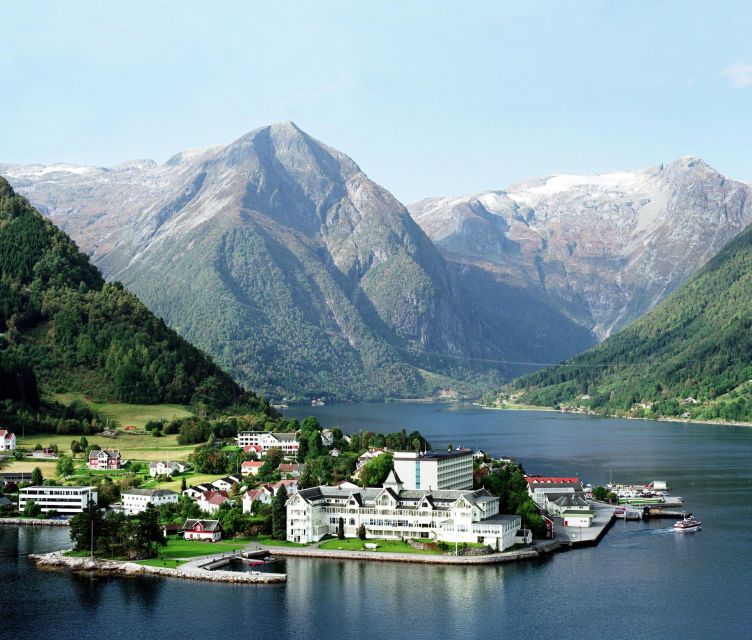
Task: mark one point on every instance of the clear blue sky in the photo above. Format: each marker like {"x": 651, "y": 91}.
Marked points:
{"x": 429, "y": 98}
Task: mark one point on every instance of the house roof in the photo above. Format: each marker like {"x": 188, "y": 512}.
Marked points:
{"x": 253, "y": 464}
{"x": 551, "y": 480}
{"x": 153, "y": 493}
{"x": 111, "y": 453}
{"x": 208, "y": 525}
{"x": 288, "y": 467}
{"x": 166, "y": 463}
{"x": 5, "y": 434}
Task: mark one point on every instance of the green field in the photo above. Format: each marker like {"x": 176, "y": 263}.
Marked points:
{"x": 385, "y": 546}
{"x": 132, "y": 447}
{"x": 124, "y": 414}
{"x": 178, "y": 548}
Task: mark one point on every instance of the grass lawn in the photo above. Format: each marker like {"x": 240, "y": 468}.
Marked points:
{"x": 385, "y": 546}
{"x": 156, "y": 562}
{"x": 176, "y": 482}
{"x": 181, "y": 548}
{"x": 268, "y": 540}
{"x": 125, "y": 414}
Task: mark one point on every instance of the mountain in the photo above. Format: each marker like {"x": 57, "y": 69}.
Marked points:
{"x": 65, "y": 330}
{"x": 691, "y": 355}
{"x": 300, "y": 275}
{"x": 602, "y": 249}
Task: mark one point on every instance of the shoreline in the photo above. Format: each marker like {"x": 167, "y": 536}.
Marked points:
{"x": 189, "y": 571}
{"x": 519, "y": 407}
{"x": 34, "y": 522}
{"x": 536, "y": 551}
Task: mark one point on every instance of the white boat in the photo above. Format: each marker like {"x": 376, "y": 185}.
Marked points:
{"x": 687, "y": 524}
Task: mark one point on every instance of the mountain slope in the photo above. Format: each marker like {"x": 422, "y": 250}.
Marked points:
{"x": 64, "y": 329}
{"x": 602, "y": 249}
{"x": 692, "y": 354}
{"x": 277, "y": 255}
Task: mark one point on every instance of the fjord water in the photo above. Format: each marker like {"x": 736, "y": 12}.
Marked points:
{"x": 643, "y": 580}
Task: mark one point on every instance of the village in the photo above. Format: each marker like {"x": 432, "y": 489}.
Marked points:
{"x": 408, "y": 503}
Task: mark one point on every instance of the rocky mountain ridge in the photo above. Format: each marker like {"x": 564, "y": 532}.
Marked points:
{"x": 604, "y": 249}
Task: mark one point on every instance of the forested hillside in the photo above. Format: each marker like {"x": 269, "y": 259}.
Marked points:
{"x": 691, "y": 356}
{"x": 64, "y": 329}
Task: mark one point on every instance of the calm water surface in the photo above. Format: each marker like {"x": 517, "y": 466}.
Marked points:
{"x": 643, "y": 580}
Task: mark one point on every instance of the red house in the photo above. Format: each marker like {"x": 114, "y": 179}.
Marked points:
{"x": 104, "y": 459}
{"x": 206, "y": 530}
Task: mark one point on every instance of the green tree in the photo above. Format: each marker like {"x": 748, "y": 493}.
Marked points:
{"x": 83, "y": 524}
{"x": 315, "y": 448}
{"x": 31, "y": 509}
{"x": 36, "y": 477}
{"x": 307, "y": 478}
{"x": 83, "y": 443}
{"x": 362, "y": 532}
{"x": 148, "y": 528}
{"x": 64, "y": 467}
{"x": 341, "y": 529}
{"x": 375, "y": 471}
{"x": 279, "y": 514}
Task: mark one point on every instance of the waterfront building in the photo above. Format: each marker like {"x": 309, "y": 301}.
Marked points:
{"x": 538, "y": 487}
{"x": 209, "y": 530}
{"x": 104, "y": 459}
{"x": 573, "y": 508}
{"x": 7, "y": 440}
{"x": 64, "y": 500}
{"x": 393, "y": 512}
{"x": 268, "y": 440}
{"x": 135, "y": 500}
{"x": 435, "y": 470}
{"x": 166, "y": 468}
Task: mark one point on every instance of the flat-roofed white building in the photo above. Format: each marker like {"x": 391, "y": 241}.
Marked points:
{"x": 435, "y": 470}
{"x": 268, "y": 440}
{"x": 393, "y": 512}
{"x": 64, "y": 500}
{"x": 136, "y": 500}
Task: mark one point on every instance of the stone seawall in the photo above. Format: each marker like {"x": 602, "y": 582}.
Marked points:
{"x": 34, "y": 522}
{"x": 56, "y": 559}
{"x": 382, "y": 556}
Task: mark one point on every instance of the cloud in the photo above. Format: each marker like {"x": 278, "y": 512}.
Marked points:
{"x": 739, "y": 75}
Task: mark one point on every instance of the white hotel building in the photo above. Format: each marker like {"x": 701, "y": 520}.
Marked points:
{"x": 268, "y": 440}
{"x": 434, "y": 470}
{"x": 64, "y": 500}
{"x": 393, "y": 512}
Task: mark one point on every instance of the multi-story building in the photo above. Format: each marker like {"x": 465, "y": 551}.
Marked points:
{"x": 64, "y": 500}
{"x": 435, "y": 470}
{"x": 393, "y": 512}
{"x": 7, "y": 440}
{"x": 136, "y": 500}
{"x": 268, "y": 440}
{"x": 104, "y": 459}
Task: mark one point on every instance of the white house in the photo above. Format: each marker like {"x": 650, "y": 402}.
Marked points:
{"x": 268, "y": 440}
{"x": 290, "y": 468}
{"x": 573, "y": 508}
{"x": 393, "y": 512}
{"x": 7, "y": 440}
{"x": 435, "y": 469}
{"x": 225, "y": 484}
{"x": 327, "y": 437}
{"x": 166, "y": 468}
{"x": 207, "y": 530}
{"x": 367, "y": 456}
{"x": 211, "y": 501}
{"x": 251, "y": 467}
{"x": 254, "y": 495}
{"x": 64, "y": 500}
{"x": 136, "y": 500}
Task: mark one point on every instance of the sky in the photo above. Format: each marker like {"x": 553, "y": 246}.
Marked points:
{"x": 429, "y": 98}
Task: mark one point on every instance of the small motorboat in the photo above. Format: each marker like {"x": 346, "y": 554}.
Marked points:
{"x": 687, "y": 524}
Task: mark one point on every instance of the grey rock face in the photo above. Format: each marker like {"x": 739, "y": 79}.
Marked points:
{"x": 603, "y": 249}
